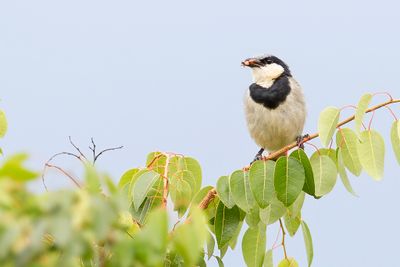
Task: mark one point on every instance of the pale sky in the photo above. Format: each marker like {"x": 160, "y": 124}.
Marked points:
{"x": 166, "y": 75}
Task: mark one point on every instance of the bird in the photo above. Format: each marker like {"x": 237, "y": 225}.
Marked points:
{"x": 274, "y": 105}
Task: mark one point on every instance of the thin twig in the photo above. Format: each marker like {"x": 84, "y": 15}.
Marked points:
{"x": 283, "y": 238}
{"x": 106, "y": 150}
{"x": 77, "y": 148}
{"x": 166, "y": 183}
{"x": 65, "y": 173}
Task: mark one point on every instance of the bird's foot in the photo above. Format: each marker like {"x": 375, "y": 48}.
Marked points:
{"x": 258, "y": 156}
{"x": 301, "y": 139}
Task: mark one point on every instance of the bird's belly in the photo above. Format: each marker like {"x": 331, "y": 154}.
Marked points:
{"x": 273, "y": 129}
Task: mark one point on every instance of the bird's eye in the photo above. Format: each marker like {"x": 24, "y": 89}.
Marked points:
{"x": 268, "y": 61}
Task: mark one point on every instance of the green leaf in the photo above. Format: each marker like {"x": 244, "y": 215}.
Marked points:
{"x": 212, "y": 206}
{"x": 372, "y": 153}
{"x": 308, "y": 242}
{"x": 309, "y": 186}
{"x": 292, "y": 223}
{"x": 261, "y": 177}
{"x": 234, "y": 239}
{"x": 189, "y": 238}
{"x": 210, "y": 246}
{"x": 290, "y": 262}
{"x": 151, "y": 202}
{"x": 179, "y": 163}
{"x": 395, "y": 137}
{"x": 181, "y": 184}
{"x": 253, "y": 217}
{"x": 347, "y": 141}
{"x": 127, "y": 177}
{"x": 220, "y": 263}
{"x": 268, "y": 259}
{"x": 327, "y": 123}
{"x": 142, "y": 187}
{"x": 13, "y": 168}
{"x": 226, "y": 222}
{"x": 296, "y": 207}
{"x": 343, "y": 173}
{"x": 273, "y": 212}
{"x": 253, "y": 246}
{"x": 240, "y": 190}
{"x": 325, "y": 173}
{"x": 3, "y": 124}
{"x": 360, "y": 111}
{"x": 156, "y": 161}
{"x": 224, "y": 192}
{"x": 181, "y": 194}
{"x": 289, "y": 179}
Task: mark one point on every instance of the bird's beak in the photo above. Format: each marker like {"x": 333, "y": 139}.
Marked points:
{"x": 251, "y": 62}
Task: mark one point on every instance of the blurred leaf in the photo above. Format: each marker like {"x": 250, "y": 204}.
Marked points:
{"x": 372, "y": 153}
{"x": 308, "y": 242}
{"x": 253, "y": 246}
{"x": 292, "y": 223}
{"x": 343, "y": 173}
{"x": 325, "y": 173}
{"x": 261, "y": 178}
{"x": 347, "y": 141}
{"x": 268, "y": 259}
{"x": 3, "y": 124}
{"x": 226, "y": 222}
{"x": 360, "y": 111}
{"x": 395, "y": 137}
{"x": 273, "y": 212}
{"x": 327, "y": 123}
{"x": 289, "y": 179}
{"x": 290, "y": 262}
{"x": 224, "y": 192}
{"x": 92, "y": 179}
{"x": 309, "y": 186}
{"x": 142, "y": 187}
{"x": 189, "y": 238}
{"x": 13, "y": 168}
{"x": 240, "y": 189}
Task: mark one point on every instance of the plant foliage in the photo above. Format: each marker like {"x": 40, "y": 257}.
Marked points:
{"x": 103, "y": 223}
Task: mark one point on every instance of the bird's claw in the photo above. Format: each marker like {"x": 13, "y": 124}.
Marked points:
{"x": 300, "y": 140}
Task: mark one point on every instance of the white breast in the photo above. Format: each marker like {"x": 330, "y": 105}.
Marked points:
{"x": 273, "y": 129}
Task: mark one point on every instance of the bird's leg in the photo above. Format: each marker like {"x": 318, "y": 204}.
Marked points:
{"x": 300, "y": 140}
{"x": 258, "y": 155}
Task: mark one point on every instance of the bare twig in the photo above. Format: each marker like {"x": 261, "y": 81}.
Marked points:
{"x": 77, "y": 148}
{"x": 106, "y": 150}
{"x": 166, "y": 183}
{"x": 65, "y": 173}
{"x": 283, "y": 238}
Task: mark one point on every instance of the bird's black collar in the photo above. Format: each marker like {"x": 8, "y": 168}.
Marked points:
{"x": 272, "y": 96}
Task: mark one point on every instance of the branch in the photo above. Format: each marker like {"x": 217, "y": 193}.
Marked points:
{"x": 212, "y": 193}
{"x": 65, "y": 173}
{"x": 283, "y": 238}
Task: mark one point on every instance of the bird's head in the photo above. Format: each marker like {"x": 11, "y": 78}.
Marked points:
{"x": 266, "y": 69}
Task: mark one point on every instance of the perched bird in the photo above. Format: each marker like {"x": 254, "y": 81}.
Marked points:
{"x": 274, "y": 104}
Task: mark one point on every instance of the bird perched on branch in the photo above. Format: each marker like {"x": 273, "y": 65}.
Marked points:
{"x": 274, "y": 104}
